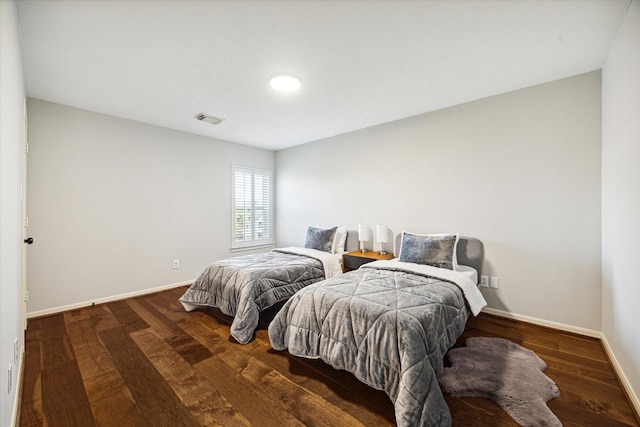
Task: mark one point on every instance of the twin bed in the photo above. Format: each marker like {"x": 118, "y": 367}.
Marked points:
{"x": 389, "y": 323}
{"x": 243, "y": 286}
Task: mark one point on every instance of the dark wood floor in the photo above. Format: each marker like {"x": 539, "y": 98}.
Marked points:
{"x": 146, "y": 362}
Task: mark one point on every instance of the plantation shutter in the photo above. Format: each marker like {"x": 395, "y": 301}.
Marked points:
{"x": 262, "y": 205}
{"x": 252, "y": 207}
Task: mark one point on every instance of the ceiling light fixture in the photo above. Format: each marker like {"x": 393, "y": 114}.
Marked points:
{"x": 285, "y": 83}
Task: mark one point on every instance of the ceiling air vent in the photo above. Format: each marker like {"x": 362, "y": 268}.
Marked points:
{"x": 209, "y": 119}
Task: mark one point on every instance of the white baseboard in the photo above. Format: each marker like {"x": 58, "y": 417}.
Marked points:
{"x": 18, "y": 395}
{"x": 582, "y": 331}
{"x": 547, "y": 323}
{"x": 59, "y": 309}
{"x": 635, "y": 402}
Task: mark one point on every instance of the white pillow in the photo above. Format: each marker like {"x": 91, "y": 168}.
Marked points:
{"x": 340, "y": 240}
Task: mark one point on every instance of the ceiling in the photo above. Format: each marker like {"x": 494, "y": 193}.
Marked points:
{"x": 361, "y": 63}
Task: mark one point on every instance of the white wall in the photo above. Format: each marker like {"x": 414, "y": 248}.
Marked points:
{"x": 621, "y": 197}
{"x": 112, "y": 202}
{"x": 520, "y": 171}
{"x": 11, "y": 139}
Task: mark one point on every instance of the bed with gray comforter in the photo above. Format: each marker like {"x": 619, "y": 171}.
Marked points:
{"x": 390, "y": 324}
{"x": 243, "y": 286}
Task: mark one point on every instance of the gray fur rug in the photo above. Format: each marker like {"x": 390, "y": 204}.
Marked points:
{"x": 506, "y": 373}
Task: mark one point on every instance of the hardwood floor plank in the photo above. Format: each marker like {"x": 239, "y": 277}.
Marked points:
{"x": 64, "y": 399}
{"x": 201, "y": 327}
{"x": 258, "y": 407}
{"x": 560, "y": 365}
{"x": 165, "y": 302}
{"x": 118, "y": 409}
{"x": 205, "y": 403}
{"x": 76, "y": 315}
{"x": 104, "y": 384}
{"x": 56, "y": 347}
{"x": 92, "y": 356}
{"x": 603, "y": 399}
{"x": 477, "y": 412}
{"x": 183, "y": 343}
{"x": 128, "y": 318}
{"x": 155, "y": 399}
{"x": 576, "y": 359}
{"x": 576, "y": 416}
{"x": 297, "y": 400}
{"x": 102, "y": 318}
{"x": 340, "y": 388}
{"x": 31, "y": 402}
{"x": 587, "y": 347}
{"x": 201, "y": 331}
{"x": 240, "y": 392}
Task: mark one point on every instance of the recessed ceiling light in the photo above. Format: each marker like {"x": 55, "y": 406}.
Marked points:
{"x": 285, "y": 83}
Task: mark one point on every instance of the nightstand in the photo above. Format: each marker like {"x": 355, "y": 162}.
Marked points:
{"x": 353, "y": 260}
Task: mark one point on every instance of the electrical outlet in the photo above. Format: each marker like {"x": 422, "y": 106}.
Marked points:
{"x": 176, "y": 263}
{"x": 484, "y": 281}
{"x": 493, "y": 282}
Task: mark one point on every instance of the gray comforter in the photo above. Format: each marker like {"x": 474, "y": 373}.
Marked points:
{"x": 389, "y": 327}
{"x": 245, "y": 285}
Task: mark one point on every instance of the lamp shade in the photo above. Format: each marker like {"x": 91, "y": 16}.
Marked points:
{"x": 363, "y": 232}
{"x": 382, "y": 233}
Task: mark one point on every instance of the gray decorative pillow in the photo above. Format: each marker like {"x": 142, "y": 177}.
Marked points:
{"x": 320, "y": 238}
{"x": 435, "y": 250}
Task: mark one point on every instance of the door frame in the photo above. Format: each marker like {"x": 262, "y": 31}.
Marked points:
{"x": 25, "y": 217}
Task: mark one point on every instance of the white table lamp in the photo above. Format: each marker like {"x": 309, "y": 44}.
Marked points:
{"x": 363, "y": 235}
{"x": 382, "y": 237}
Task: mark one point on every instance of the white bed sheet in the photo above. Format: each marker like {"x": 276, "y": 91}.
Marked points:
{"x": 469, "y": 271}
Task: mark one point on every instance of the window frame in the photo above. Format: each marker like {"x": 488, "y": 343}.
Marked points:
{"x": 253, "y": 243}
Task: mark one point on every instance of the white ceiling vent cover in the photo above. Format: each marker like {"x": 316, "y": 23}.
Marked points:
{"x": 209, "y": 119}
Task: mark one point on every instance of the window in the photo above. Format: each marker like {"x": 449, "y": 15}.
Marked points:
{"x": 252, "y": 207}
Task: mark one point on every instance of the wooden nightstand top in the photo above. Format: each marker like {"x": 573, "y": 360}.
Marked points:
{"x": 370, "y": 255}
{"x": 353, "y": 260}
